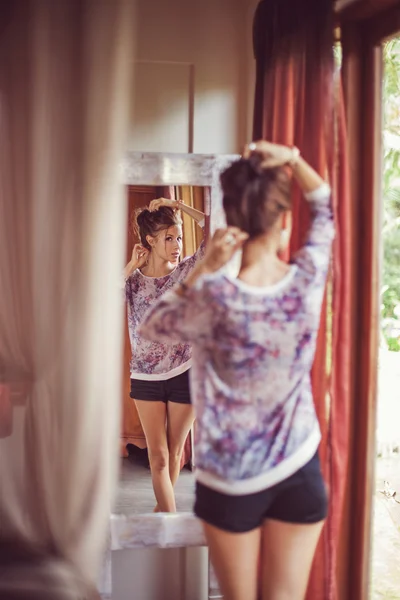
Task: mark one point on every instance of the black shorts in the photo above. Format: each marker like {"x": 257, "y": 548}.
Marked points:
{"x": 302, "y": 498}
{"x": 175, "y": 389}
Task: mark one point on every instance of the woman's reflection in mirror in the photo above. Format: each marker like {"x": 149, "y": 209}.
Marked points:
{"x": 160, "y": 371}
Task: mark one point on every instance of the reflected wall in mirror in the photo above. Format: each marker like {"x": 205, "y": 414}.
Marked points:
{"x": 193, "y": 179}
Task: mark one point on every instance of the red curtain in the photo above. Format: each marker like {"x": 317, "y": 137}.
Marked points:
{"x": 298, "y": 101}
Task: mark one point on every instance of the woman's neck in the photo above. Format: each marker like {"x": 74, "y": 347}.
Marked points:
{"x": 261, "y": 266}
{"x": 156, "y": 267}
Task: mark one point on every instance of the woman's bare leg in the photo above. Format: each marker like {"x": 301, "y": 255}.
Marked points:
{"x": 153, "y": 419}
{"x": 287, "y": 554}
{"x": 180, "y": 418}
{"x": 235, "y": 559}
{"x": 179, "y": 422}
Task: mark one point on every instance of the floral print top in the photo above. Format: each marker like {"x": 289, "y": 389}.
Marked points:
{"x": 156, "y": 360}
{"x": 253, "y": 349}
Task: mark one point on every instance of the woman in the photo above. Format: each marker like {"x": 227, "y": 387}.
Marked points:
{"x": 259, "y": 491}
{"x": 159, "y": 372}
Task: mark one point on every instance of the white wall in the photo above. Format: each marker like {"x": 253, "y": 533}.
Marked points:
{"x": 251, "y": 6}
{"x": 194, "y": 78}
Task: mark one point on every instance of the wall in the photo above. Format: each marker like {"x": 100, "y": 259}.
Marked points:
{"x": 194, "y": 77}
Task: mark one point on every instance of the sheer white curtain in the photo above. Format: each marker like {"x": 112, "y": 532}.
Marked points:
{"x": 65, "y": 86}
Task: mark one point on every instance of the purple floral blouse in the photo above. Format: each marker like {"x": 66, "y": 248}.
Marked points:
{"x": 253, "y": 349}
{"x": 156, "y": 360}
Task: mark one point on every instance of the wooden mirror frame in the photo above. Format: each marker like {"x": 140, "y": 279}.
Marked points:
{"x": 154, "y": 169}
{"x": 164, "y": 169}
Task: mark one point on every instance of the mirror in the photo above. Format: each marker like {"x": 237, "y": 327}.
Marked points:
{"x": 136, "y": 477}
{"x": 194, "y": 179}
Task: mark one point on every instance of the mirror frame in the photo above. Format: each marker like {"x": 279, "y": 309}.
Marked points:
{"x": 164, "y": 169}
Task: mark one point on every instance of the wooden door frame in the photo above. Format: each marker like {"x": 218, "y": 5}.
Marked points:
{"x": 364, "y": 27}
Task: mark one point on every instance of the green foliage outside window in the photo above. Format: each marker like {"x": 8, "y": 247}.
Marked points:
{"x": 391, "y": 196}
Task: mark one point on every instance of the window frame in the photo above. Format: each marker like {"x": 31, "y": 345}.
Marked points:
{"x": 365, "y": 26}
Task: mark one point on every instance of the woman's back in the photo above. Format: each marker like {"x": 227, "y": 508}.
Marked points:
{"x": 251, "y": 383}
{"x": 253, "y": 350}
{"x": 260, "y": 492}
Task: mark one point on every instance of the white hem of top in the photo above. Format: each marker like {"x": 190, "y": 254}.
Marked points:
{"x": 163, "y": 376}
{"x": 266, "y": 480}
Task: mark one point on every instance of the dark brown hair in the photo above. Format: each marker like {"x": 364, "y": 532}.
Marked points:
{"x": 254, "y": 197}
{"x": 150, "y": 223}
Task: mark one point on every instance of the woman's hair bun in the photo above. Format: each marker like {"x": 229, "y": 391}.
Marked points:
{"x": 242, "y": 172}
{"x": 150, "y": 223}
{"x": 254, "y": 196}
{"x": 255, "y": 162}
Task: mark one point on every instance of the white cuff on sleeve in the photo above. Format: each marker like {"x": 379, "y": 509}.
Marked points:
{"x": 321, "y": 193}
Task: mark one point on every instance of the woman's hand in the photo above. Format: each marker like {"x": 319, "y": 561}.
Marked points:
{"x": 159, "y": 202}
{"x": 139, "y": 257}
{"x": 274, "y": 155}
{"x": 222, "y": 247}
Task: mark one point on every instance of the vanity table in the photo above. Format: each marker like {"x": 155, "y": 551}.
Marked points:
{"x": 157, "y": 557}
